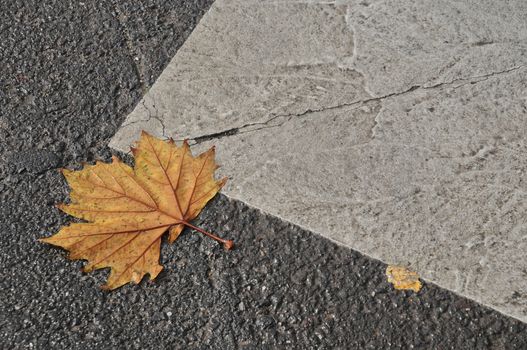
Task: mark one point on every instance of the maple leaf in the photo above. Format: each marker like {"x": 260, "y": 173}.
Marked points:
{"x": 403, "y": 278}
{"x": 128, "y": 210}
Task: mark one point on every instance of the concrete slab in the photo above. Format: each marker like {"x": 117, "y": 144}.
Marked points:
{"x": 397, "y": 129}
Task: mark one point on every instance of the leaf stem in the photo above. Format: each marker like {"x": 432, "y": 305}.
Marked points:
{"x": 227, "y": 243}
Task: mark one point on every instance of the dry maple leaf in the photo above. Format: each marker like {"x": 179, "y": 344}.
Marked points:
{"x": 403, "y": 279}
{"x": 128, "y": 210}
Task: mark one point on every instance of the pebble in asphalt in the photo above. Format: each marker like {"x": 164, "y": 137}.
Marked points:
{"x": 69, "y": 72}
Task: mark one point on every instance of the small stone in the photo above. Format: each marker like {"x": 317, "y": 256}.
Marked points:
{"x": 265, "y": 322}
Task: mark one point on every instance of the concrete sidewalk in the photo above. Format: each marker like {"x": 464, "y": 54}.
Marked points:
{"x": 394, "y": 128}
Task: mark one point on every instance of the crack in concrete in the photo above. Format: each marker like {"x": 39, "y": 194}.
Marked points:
{"x": 471, "y": 80}
{"x": 150, "y": 117}
{"x": 156, "y": 117}
{"x": 257, "y": 126}
{"x": 163, "y": 129}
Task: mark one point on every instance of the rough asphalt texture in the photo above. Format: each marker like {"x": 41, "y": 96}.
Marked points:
{"x": 69, "y": 73}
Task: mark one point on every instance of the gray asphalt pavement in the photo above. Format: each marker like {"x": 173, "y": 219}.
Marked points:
{"x": 69, "y": 74}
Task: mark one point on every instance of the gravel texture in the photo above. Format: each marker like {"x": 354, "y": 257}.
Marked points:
{"x": 71, "y": 71}
{"x": 68, "y": 76}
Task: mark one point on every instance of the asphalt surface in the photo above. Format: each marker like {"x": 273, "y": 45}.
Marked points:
{"x": 69, "y": 74}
